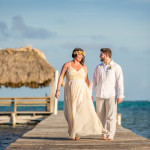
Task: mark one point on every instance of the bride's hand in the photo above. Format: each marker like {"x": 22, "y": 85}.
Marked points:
{"x": 57, "y": 94}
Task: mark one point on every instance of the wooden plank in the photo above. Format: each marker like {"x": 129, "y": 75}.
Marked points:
{"x": 5, "y": 105}
{"x": 30, "y": 102}
{"x": 32, "y": 98}
{"x": 6, "y": 98}
{"x": 5, "y": 113}
{"x": 51, "y": 133}
{"x": 23, "y": 105}
{"x": 26, "y": 112}
{"x": 32, "y": 112}
{"x": 6, "y": 102}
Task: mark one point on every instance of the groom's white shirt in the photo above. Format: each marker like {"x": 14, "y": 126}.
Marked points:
{"x": 109, "y": 81}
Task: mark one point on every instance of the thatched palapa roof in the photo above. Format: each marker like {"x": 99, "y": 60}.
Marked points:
{"x": 24, "y": 67}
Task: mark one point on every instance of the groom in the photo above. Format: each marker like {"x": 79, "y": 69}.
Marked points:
{"x": 108, "y": 81}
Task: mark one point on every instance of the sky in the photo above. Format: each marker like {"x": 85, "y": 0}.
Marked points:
{"x": 56, "y": 27}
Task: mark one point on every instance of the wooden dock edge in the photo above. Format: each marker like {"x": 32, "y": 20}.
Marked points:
{"x": 21, "y": 117}
{"x": 51, "y": 133}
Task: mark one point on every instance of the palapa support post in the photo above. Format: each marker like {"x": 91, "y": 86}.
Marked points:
{"x": 55, "y": 86}
{"x": 54, "y": 101}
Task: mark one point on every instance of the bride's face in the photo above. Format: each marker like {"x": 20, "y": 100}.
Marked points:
{"x": 79, "y": 57}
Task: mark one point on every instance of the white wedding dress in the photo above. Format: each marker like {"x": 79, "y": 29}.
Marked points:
{"x": 79, "y": 110}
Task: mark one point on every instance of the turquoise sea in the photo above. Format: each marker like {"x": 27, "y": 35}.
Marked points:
{"x": 135, "y": 116}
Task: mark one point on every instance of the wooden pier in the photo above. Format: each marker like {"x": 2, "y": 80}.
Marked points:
{"x": 51, "y": 134}
{"x": 15, "y": 116}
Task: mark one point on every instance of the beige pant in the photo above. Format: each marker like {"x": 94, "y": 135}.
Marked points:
{"x": 107, "y": 111}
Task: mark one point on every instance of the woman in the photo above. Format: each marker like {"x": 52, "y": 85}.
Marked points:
{"x": 79, "y": 110}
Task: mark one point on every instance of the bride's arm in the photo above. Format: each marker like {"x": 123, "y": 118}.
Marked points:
{"x": 61, "y": 78}
{"x": 86, "y": 77}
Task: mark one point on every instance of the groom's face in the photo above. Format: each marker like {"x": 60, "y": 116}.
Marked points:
{"x": 102, "y": 56}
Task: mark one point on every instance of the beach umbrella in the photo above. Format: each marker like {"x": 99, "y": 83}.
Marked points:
{"x": 24, "y": 67}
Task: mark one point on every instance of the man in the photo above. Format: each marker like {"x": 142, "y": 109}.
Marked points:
{"x": 108, "y": 81}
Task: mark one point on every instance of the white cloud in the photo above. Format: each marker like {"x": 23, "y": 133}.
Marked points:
{"x": 30, "y": 32}
{"x": 3, "y": 29}
{"x": 21, "y": 30}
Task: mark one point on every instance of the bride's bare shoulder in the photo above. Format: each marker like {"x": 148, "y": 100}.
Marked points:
{"x": 67, "y": 64}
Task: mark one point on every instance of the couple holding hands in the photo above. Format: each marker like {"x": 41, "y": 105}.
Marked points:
{"x": 79, "y": 109}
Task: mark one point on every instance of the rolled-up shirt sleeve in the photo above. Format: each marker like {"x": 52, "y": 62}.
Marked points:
{"x": 119, "y": 83}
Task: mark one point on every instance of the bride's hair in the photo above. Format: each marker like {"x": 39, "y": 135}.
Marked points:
{"x": 74, "y": 55}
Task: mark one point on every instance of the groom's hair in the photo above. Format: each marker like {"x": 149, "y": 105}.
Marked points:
{"x": 106, "y": 51}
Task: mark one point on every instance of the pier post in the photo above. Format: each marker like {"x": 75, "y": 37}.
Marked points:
{"x": 15, "y": 106}
{"x": 52, "y": 95}
{"x": 119, "y": 119}
{"x": 13, "y": 115}
{"x": 48, "y": 103}
{"x": 13, "y": 118}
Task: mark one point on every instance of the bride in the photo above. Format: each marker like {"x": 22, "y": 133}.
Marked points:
{"x": 79, "y": 110}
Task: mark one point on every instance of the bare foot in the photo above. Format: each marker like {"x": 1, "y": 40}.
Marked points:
{"x": 103, "y": 138}
{"x": 77, "y": 138}
{"x": 109, "y": 139}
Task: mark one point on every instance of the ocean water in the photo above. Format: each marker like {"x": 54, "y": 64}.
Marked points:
{"x": 8, "y": 134}
{"x": 135, "y": 116}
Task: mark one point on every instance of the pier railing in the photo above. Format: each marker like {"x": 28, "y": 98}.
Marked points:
{"x": 16, "y": 102}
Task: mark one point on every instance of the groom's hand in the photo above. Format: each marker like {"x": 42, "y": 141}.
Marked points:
{"x": 92, "y": 98}
{"x": 120, "y": 100}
